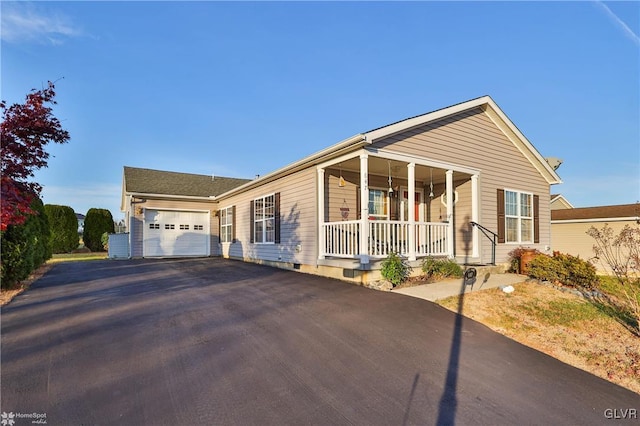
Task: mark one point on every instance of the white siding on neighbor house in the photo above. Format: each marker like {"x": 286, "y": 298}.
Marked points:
{"x": 472, "y": 139}
{"x": 137, "y": 226}
{"x": 298, "y": 223}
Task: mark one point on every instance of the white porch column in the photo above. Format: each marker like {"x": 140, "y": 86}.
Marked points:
{"x": 450, "y": 199}
{"x": 475, "y": 250}
{"x": 364, "y": 208}
{"x": 411, "y": 176}
{"x": 322, "y": 237}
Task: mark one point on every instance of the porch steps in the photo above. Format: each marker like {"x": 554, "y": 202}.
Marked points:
{"x": 483, "y": 269}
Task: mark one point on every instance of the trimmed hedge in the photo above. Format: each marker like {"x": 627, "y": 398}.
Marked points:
{"x": 25, "y": 247}
{"x": 64, "y": 228}
{"x": 565, "y": 269}
{"x": 96, "y": 223}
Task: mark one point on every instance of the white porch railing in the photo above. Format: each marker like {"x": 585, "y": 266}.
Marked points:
{"x": 342, "y": 239}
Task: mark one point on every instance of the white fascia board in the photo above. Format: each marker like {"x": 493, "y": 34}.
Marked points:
{"x": 185, "y": 197}
{"x": 348, "y": 144}
{"x": 599, "y": 219}
{"x": 171, "y": 209}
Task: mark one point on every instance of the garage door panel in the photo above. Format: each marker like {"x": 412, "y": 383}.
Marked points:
{"x": 175, "y": 233}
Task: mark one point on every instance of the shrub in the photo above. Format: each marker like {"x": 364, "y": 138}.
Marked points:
{"x": 546, "y": 268}
{"x": 96, "y": 223}
{"x": 515, "y": 258}
{"x": 620, "y": 253}
{"x": 64, "y": 228}
{"x": 564, "y": 268}
{"x": 441, "y": 268}
{"x": 395, "y": 269}
{"x": 104, "y": 239}
{"x": 25, "y": 247}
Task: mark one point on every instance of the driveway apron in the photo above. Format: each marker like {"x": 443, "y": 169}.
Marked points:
{"x": 215, "y": 341}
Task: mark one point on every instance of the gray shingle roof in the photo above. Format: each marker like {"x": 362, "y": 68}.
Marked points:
{"x": 148, "y": 181}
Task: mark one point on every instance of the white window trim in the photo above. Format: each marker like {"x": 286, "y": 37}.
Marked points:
{"x": 263, "y": 220}
{"x": 519, "y": 218}
{"x": 228, "y": 225}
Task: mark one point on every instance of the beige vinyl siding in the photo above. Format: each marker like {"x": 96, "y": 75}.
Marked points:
{"x": 337, "y": 197}
{"x": 138, "y": 220}
{"x": 463, "y": 245}
{"x": 471, "y": 139}
{"x": 298, "y": 223}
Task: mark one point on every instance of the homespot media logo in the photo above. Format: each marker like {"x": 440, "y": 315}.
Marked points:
{"x": 9, "y": 419}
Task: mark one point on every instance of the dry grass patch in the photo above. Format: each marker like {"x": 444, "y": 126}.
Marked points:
{"x": 562, "y": 325}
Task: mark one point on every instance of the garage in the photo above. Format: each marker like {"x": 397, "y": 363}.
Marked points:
{"x": 175, "y": 233}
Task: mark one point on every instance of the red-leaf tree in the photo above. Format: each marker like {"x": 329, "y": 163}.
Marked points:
{"x": 25, "y": 131}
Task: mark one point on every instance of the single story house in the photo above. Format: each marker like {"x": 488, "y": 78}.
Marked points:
{"x": 460, "y": 182}
{"x": 569, "y": 227}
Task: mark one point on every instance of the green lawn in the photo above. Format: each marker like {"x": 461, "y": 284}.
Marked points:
{"x": 75, "y": 257}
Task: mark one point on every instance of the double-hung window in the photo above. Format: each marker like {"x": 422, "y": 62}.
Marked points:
{"x": 264, "y": 219}
{"x": 519, "y": 220}
{"x": 378, "y": 203}
{"x": 226, "y": 225}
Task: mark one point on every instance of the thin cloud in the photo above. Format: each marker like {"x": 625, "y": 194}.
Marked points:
{"x": 620, "y": 23}
{"x": 21, "y": 23}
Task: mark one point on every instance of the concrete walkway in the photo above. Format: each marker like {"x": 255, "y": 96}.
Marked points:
{"x": 456, "y": 286}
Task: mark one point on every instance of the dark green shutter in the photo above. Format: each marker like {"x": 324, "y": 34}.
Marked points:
{"x": 251, "y": 222}
{"x": 277, "y": 217}
{"x": 501, "y": 216}
{"x": 233, "y": 224}
{"x": 536, "y": 219}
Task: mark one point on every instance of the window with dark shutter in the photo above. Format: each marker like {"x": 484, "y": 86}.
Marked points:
{"x": 518, "y": 217}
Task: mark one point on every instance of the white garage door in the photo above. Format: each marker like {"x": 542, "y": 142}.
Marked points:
{"x": 175, "y": 233}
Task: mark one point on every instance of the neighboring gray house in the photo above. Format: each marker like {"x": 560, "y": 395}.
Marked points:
{"x": 411, "y": 187}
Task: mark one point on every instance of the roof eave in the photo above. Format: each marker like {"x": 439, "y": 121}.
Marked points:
{"x": 349, "y": 144}
{"x": 172, "y": 196}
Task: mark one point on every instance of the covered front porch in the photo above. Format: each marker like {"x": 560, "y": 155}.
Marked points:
{"x": 413, "y": 206}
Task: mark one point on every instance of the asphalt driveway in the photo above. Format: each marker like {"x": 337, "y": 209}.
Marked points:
{"x": 213, "y": 341}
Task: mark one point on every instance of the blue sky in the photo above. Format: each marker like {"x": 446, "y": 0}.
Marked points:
{"x": 244, "y": 88}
